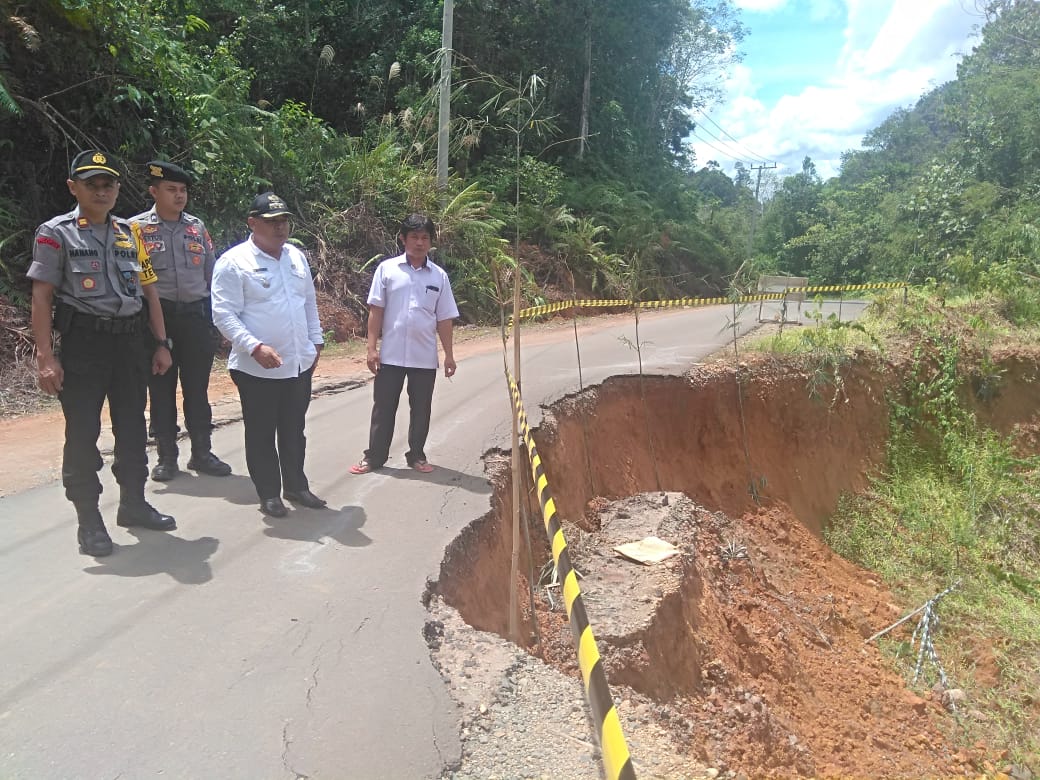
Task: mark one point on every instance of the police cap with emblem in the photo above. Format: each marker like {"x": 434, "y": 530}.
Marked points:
{"x": 90, "y": 163}
{"x": 267, "y": 205}
{"x": 160, "y": 170}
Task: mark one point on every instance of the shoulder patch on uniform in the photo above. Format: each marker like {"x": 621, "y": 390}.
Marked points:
{"x": 48, "y": 241}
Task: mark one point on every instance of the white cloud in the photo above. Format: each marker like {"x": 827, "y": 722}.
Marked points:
{"x": 900, "y": 30}
{"x": 894, "y": 51}
{"x": 822, "y": 10}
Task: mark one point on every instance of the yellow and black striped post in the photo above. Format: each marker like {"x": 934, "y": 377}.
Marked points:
{"x": 617, "y": 762}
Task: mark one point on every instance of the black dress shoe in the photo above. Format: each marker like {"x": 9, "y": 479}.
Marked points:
{"x": 165, "y": 470}
{"x": 273, "y": 507}
{"x": 209, "y": 464}
{"x": 144, "y": 515}
{"x": 305, "y": 498}
{"x": 93, "y": 538}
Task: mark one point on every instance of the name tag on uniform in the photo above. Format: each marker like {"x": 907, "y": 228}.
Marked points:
{"x": 433, "y": 288}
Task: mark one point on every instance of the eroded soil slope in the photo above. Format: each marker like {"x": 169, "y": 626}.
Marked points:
{"x": 747, "y": 649}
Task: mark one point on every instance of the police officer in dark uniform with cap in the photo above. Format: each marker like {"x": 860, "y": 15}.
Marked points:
{"x": 90, "y": 278}
{"x": 181, "y": 253}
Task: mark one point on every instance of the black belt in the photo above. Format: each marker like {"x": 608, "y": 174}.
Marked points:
{"x": 114, "y": 325}
{"x": 184, "y": 307}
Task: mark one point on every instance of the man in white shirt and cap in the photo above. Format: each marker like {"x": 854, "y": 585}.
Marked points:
{"x": 264, "y": 304}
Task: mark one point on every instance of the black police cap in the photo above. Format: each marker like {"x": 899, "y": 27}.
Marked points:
{"x": 267, "y": 205}
{"x": 167, "y": 171}
{"x": 90, "y": 163}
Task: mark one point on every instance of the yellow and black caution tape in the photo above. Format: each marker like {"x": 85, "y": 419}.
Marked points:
{"x": 848, "y": 287}
{"x": 549, "y": 308}
{"x": 678, "y": 303}
{"x": 617, "y": 762}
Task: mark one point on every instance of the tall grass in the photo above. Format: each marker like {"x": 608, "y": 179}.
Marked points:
{"x": 957, "y": 501}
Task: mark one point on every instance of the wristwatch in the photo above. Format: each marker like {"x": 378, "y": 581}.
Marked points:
{"x": 166, "y": 342}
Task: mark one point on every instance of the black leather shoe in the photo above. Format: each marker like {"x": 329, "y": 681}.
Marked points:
{"x": 93, "y": 537}
{"x": 209, "y": 464}
{"x": 165, "y": 470}
{"x": 144, "y": 515}
{"x": 273, "y": 507}
{"x": 305, "y": 498}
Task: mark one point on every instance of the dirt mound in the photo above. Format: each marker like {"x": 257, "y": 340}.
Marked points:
{"x": 747, "y": 649}
{"x": 753, "y": 639}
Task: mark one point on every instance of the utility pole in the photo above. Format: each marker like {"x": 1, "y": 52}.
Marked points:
{"x": 444, "y": 118}
{"x": 754, "y": 212}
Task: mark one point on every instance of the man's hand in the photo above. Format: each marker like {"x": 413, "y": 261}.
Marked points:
{"x": 449, "y": 367}
{"x": 50, "y": 374}
{"x": 267, "y": 356}
{"x": 373, "y": 360}
{"x": 161, "y": 360}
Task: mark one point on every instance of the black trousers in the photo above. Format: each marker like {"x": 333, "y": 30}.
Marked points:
{"x": 275, "y": 410}
{"x": 386, "y": 391}
{"x": 99, "y": 366}
{"x": 192, "y": 335}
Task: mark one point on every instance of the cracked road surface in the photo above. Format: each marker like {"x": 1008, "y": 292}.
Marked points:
{"x": 246, "y": 646}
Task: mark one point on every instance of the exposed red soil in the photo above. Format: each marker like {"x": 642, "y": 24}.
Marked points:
{"x": 752, "y": 654}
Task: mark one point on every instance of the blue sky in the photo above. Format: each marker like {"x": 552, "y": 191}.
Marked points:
{"x": 818, "y": 75}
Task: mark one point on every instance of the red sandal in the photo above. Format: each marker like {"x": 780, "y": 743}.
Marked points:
{"x": 361, "y": 467}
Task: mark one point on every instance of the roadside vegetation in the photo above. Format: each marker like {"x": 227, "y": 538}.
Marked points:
{"x": 956, "y": 504}
{"x": 569, "y": 151}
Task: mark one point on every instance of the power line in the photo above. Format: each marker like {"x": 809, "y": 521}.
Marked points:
{"x": 737, "y": 144}
{"x": 726, "y": 153}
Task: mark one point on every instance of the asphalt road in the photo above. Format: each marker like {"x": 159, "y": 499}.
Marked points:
{"x": 241, "y": 646}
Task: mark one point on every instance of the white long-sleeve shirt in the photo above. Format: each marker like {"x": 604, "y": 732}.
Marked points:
{"x": 260, "y": 299}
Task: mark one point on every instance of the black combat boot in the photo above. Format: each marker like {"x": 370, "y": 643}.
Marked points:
{"x": 208, "y": 463}
{"x": 135, "y": 511}
{"x": 141, "y": 514}
{"x": 166, "y": 469}
{"x": 92, "y": 535}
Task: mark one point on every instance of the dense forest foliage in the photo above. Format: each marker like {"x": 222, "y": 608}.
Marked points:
{"x": 947, "y": 191}
{"x": 570, "y": 122}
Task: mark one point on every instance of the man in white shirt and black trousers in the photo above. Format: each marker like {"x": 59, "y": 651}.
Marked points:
{"x": 410, "y": 305}
{"x": 264, "y": 304}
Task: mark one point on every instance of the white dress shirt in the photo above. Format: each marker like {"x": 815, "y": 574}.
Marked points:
{"x": 413, "y": 300}
{"x": 260, "y": 299}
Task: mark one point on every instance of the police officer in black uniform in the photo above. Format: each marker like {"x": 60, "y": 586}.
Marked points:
{"x": 90, "y": 280}
{"x": 181, "y": 253}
